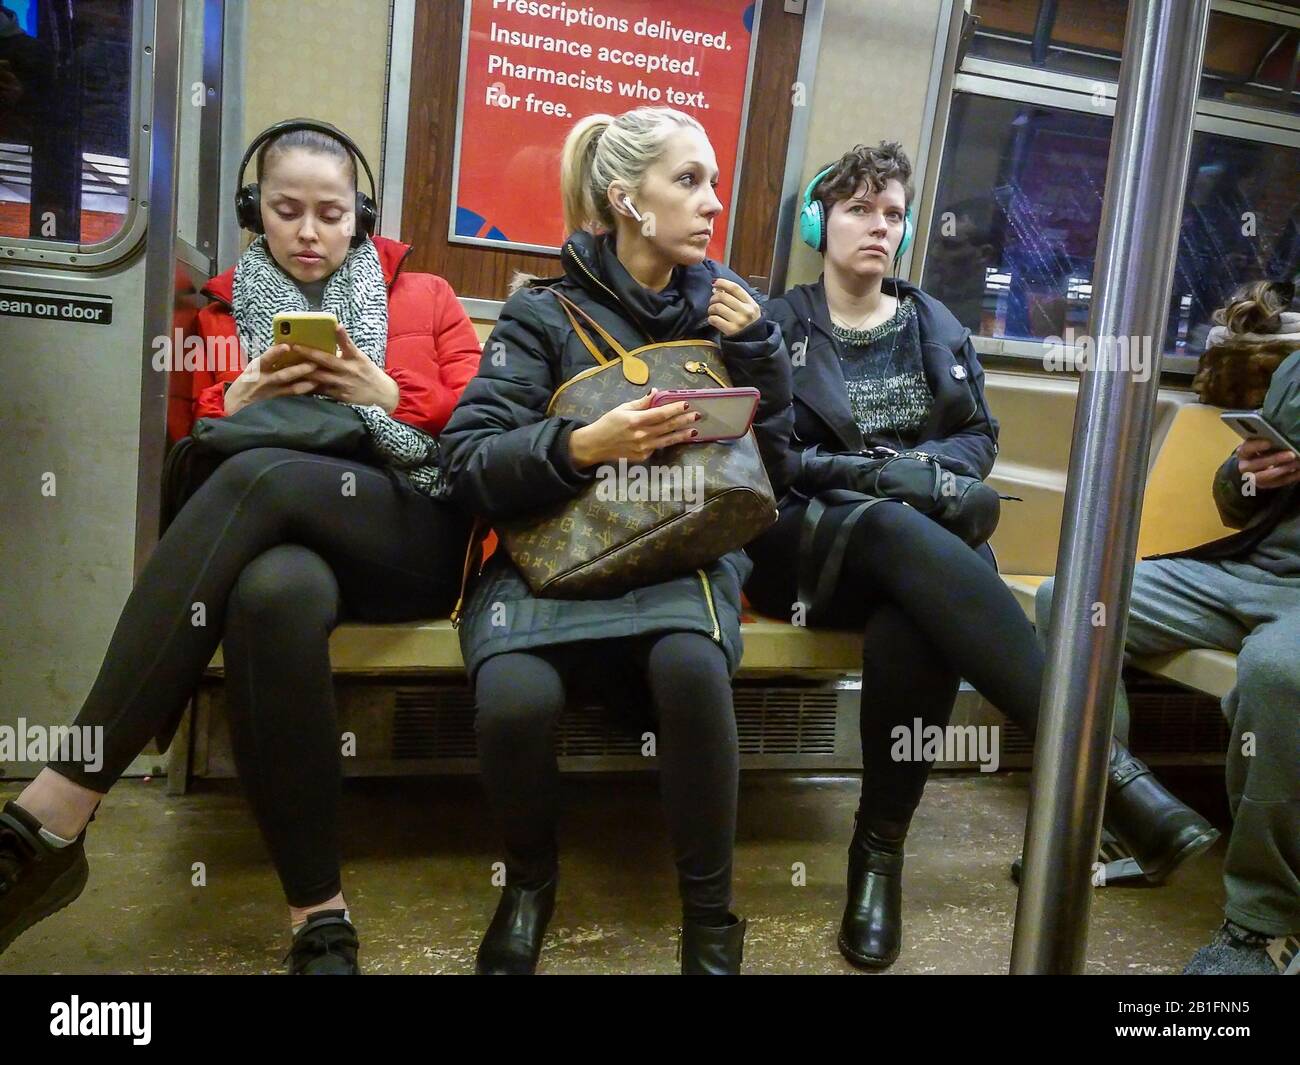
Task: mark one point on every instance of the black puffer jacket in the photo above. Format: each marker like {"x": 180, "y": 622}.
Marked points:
{"x": 503, "y": 456}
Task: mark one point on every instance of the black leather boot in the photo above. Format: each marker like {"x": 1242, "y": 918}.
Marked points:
{"x": 705, "y": 950}
{"x": 1158, "y": 830}
{"x": 513, "y": 941}
{"x": 871, "y": 933}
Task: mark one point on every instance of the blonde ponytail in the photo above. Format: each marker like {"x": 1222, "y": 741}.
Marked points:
{"x": 602, "y": 149}
{"x": 576, "y": 164}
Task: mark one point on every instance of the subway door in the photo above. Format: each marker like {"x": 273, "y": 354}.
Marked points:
{"x": 91, "y": 112}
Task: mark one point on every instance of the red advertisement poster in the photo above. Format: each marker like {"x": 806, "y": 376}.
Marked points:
{"x": 531, "y": 68}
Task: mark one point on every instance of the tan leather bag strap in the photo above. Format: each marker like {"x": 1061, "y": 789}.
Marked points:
{"x": 596, "y": 353}
{"x": 473, "y": 564}
{"x": 635, "y": 368}
{"x": 571, "y": 308}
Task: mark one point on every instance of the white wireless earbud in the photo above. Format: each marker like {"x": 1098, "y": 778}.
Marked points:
{"x": 627, "y": 202}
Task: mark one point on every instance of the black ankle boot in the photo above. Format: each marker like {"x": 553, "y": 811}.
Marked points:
{"x": 707, "y": 950}
{"x": 513, "y": 941}
{"x": 871, "y": 933}
{"x": 1158, "y": 830}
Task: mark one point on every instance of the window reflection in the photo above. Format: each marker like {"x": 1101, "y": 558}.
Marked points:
{"x": 1248, "y": 61}
{"x": 65, "y": 79}
{"x": 1241, "y": 210}
{"x": 1082, "y": 37}
{"x": 1018, "y": 208}
{"x": 1251, "y": 61}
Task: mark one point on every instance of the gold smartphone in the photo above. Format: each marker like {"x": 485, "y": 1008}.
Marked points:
{"x": 311, "y": 329}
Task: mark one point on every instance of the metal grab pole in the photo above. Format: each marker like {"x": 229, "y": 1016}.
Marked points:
{"x": 1149, "y": 149}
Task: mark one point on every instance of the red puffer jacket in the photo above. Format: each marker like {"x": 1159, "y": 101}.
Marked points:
{"x": 432, "y": 352}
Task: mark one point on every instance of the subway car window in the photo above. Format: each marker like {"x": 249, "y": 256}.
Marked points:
{"x": 1018, "y": 204}
{"x": 1081, "y": 37}
{"x": 65, "y": 105}
{"x": 1018, "y": 208}
{"x": 1248, "y": 61}
{"x": 1241, "y": 222}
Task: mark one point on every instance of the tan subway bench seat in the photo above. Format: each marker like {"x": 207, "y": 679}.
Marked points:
{"x": 1178, "y": 512}
{"x": 771, "y": 647}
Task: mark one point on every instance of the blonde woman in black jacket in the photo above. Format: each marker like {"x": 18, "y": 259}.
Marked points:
{"x": 643, "y": 281}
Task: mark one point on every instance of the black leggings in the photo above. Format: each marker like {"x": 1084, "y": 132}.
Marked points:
{"x": 268, "y": 555}
{"x": 520, "y": 697}
{"x": 934, "y": 611}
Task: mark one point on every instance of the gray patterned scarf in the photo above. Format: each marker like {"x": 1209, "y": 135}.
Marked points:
{"x": 357, "y": 296}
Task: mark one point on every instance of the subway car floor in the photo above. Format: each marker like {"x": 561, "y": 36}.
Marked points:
{"x": 418, "y": 857}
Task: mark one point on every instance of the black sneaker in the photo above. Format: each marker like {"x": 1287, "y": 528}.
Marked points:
{"x": 36, "y": 879}
{"x": 325, "y": 946}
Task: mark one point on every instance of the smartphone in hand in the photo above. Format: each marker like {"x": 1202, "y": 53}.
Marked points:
{"x": 1250, "y": 423}
{"x": 726, "y": 413}
{"x": 310, "y": 329}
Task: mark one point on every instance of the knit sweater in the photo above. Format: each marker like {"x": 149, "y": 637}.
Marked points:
{"x": 885, "y": 377}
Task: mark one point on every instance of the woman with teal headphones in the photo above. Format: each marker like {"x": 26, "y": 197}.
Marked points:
{"x": 881, "y": 367}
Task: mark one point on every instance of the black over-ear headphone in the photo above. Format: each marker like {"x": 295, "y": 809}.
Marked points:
{"x": 248, "y": 199}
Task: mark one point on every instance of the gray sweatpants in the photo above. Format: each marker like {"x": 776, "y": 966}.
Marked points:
{"x": 1183, "y": 603}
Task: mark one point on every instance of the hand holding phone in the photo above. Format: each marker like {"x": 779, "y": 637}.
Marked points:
{"x": 1269, "y": 467}
{"x": 1250, "y": 425}
{"x": 256, "y": 383}
{"x": 725, "y": 413}
{"x": 349, "y": 375}
{"x": 1267, "y": 455}
{"x": 634, "y": 430}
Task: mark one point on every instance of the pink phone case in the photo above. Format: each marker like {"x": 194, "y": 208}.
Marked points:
{"x": 700, "y": 398}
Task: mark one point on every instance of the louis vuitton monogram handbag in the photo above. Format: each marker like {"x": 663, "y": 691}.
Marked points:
{"x": 646, "y": 522}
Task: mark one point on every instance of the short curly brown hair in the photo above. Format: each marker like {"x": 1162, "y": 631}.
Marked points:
{"x": 875, "y": 165}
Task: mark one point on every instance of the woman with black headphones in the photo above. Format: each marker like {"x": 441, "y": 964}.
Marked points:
{"x": 278, "y": 545}
{"x": 882, "y": 368}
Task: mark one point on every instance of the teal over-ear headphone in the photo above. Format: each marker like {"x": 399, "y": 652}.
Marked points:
{"x": 812, "y": 220}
